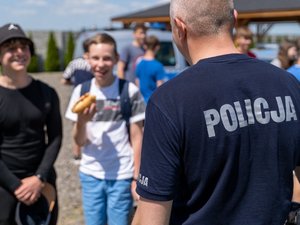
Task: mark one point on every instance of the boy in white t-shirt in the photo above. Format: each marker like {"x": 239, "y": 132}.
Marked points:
{"x": 110, "y": 161}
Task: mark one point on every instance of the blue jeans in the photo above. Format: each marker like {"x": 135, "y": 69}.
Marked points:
{"x": 106, "y": 201}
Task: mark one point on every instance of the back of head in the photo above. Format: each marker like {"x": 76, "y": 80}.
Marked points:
{"x": 204, "y": 17}
{"x": 85, "y": 45}
{"x": 151, "y": 42}
{"x": 284, "y": 47}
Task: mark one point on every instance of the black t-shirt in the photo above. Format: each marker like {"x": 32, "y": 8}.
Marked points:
{"x": 221, "y": 140}
{"x": 31, "y": 133}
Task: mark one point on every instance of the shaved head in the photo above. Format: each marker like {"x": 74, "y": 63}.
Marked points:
{"x": 204, "y": 17}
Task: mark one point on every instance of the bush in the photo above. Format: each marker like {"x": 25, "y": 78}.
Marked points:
{"x": 52, "y": 58}
{"x": 34, "y": 63}
{"x": 70, "y": 49}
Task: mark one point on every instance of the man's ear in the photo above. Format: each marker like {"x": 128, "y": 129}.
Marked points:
{"x": 235, "y": 18}
{"x": 181, "y": 28}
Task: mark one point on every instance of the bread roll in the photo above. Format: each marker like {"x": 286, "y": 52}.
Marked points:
{"x": 85, "y": 101}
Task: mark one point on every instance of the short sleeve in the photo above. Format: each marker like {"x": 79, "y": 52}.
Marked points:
{"x": 160, "y": 160}
{"x": 74, "y": 97}
{"x": 124, "y": 55}
{"x": 161, "y": 74}
{"x": 68, "y": 71}
{"x": 138, "y": 67}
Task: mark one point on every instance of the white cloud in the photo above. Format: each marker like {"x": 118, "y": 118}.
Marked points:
{"x": 87, "y": 7}
{"x": 81, "y": 2}
{"x": 163, "y": 1}
{"x": 140, "y": 5}
{"x": 71, "y": 14}
{"x": 80, "y": 7}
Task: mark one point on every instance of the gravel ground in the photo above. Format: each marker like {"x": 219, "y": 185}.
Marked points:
{"x": 68, "y": 185}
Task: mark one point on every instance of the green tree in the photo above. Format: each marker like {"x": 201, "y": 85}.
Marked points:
{"x": 279, "y": 39}
{"x": 269, "y": 39}
{"x": 52, "y": 58}
{"x": 34, "y": 63}
{"x": 70, "y": 49}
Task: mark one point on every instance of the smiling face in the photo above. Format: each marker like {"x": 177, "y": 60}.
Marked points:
{"x": 15, "y": 56}
{"x": 102, "y": 58}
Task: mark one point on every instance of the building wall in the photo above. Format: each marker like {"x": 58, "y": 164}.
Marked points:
{"x": 40, "y": 39}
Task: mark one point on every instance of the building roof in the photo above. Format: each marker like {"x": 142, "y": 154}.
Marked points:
{"x": 248, "y": 10}
{"x": 154, "y": 14}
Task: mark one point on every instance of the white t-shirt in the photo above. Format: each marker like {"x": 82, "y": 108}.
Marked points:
{"x": 108, "y": 153}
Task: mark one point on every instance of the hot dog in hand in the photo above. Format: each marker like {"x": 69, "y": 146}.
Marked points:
{"x": 85, "y": 101}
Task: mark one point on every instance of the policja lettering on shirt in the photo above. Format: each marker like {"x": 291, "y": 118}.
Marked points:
{"x": 232, "y": 116}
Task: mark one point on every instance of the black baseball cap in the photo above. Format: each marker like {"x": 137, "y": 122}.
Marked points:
{"x": 40, "y": 212}
{"x": 14, "y": 31}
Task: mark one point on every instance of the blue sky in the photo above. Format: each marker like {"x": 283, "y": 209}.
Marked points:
{"x": 68, "y": 14}
{"x": 77, "y": 14}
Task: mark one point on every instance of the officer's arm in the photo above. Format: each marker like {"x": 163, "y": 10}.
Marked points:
{"x": 152, "y": 212}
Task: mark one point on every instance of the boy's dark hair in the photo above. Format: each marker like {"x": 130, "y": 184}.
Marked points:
{"x": 102, "y": 38}
{"x": 85, "y": 45}
{"x": 15, "y": 41}
{"x": 139, "y": 26}
{"x": 151, "y": 42}
{"x": 11, "y": 33}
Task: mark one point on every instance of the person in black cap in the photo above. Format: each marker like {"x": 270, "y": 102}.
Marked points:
{"x": 31, "y": 129}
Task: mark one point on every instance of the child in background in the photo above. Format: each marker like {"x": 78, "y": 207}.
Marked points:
{"x": 78, "y": 70}
{"x": 149, "y": 71}
{"x": 130, "y": 53}
{"x": 287, "y": 55}
{"x": 295, "y": 69}
{"x": 243, "y": 39}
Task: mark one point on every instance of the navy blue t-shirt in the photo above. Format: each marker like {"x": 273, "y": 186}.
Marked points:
{"x": 221, "y": 140}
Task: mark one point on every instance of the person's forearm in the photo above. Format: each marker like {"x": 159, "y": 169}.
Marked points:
{"x": 136, "y": 142}
{"x": 79, "y": 133}
{"x": 120, "y": 70}
{"x": 121, "y": 75}
{"x": 159, "y": 82}
{"x": 65, "y": 81}
{"x": 137, "y": 82}
{"x": 54, "y": 136}
{"x": 79, "y": 129}
{"x": 7, "y": 179}
{"x": 156, "y": 212}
